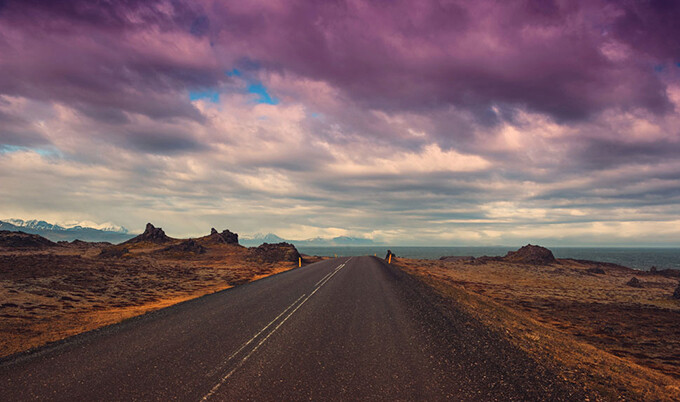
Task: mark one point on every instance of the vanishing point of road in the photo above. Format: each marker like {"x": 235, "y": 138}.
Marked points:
{"x": 341, "y": 329}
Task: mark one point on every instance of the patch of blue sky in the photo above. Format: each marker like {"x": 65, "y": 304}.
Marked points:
{"x": 262, "y": 94}
{"x": 254, "y": 87}
{"x": 8, "y": 149}
{"x": 212, "y": 96}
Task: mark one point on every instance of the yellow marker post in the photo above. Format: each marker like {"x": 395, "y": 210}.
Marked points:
{"x": 299, "y": 262}
{"x": 389, "y": 260}
{"x": 336, "y": 256}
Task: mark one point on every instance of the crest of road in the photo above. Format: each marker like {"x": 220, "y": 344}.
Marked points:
{"x": 341, "y": 329}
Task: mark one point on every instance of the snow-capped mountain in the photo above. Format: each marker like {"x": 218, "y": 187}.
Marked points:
{"x": 259, "y": 238}
{"x": 34, "y": 224}
{"x": 83, "y": 230}
{"x": 106, "y": 226}
{"x": 42, "y": 225}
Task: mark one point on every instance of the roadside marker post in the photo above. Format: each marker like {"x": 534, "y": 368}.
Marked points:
{"x": 389, "y": 260}
{"x": 299, "y": 262}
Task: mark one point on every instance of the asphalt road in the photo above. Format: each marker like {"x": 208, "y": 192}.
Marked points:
{"x": 341, "y": 329}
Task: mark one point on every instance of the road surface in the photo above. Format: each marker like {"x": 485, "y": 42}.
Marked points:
{"x": 341, "y": 329}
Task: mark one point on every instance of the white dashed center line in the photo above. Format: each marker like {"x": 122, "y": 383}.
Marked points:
{"x": 317, "y": 286}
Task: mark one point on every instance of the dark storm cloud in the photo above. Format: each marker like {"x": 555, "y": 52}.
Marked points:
{"x": 651, "y": 26}
{"x": 545, "y": 56}
{"x": 104, "y": 56}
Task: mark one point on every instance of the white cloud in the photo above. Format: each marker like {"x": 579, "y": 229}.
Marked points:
{"x": 266, "y": 168}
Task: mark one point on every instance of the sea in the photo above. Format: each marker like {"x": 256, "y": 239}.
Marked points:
{"x": 637, "y": 258}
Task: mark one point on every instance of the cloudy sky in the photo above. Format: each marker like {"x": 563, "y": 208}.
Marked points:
{"x": 429, "y": 122}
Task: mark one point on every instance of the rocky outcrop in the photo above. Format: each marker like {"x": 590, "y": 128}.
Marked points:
{"x": 485, "y": 259}
{"x": 151, "y": 234}
{"x": 634, "y": 282}
{"x": 226, "y": 237}
{"x": 530, "y": 254}
{"x": 275, "y": 252}
{"x": 451, "y": 258}
{"x": 389, "y": 253}
{"x": 668, "y": 273}
{"x": 21, "y": 240}
{"x": 229, "y": 237}
{"x": 187, "y": 246}
{"x": 79, "y": 243}
{"x": 114, "y": 252}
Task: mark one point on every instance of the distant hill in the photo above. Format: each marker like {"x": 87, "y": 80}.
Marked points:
{"x": 259, "y": 238}
{"x": 107, "y": 232}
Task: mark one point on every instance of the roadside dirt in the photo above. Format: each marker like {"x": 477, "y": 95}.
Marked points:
{"x": 621, "y": 341}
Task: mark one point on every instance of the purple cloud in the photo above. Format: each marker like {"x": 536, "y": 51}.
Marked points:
{"x": 348, "y": 109}
{"x": 105, "y": 59}
{"x": 541, "y": 56}
{"x": 544, "y": 56}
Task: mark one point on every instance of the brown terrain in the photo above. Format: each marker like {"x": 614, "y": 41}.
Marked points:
{"x": 611, "y": 329}
{"x": 49, "y": 291}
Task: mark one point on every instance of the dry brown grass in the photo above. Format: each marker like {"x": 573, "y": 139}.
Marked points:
{"x": 54, "y": 293}
{"x": 619, "y": 342}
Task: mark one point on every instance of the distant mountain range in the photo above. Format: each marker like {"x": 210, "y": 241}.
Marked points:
{"x": 87, "y": 231}
{"x": 259, "y": 238}
{"x": 90, "y": 231}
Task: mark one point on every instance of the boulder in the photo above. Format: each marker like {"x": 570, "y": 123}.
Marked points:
{"x": 275, "y": 252}
{"x": 634, "y": 282}
{"x": 389, "y": 253}
{"x": 596, "y": 270}
{"x": 530, "y": 254}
